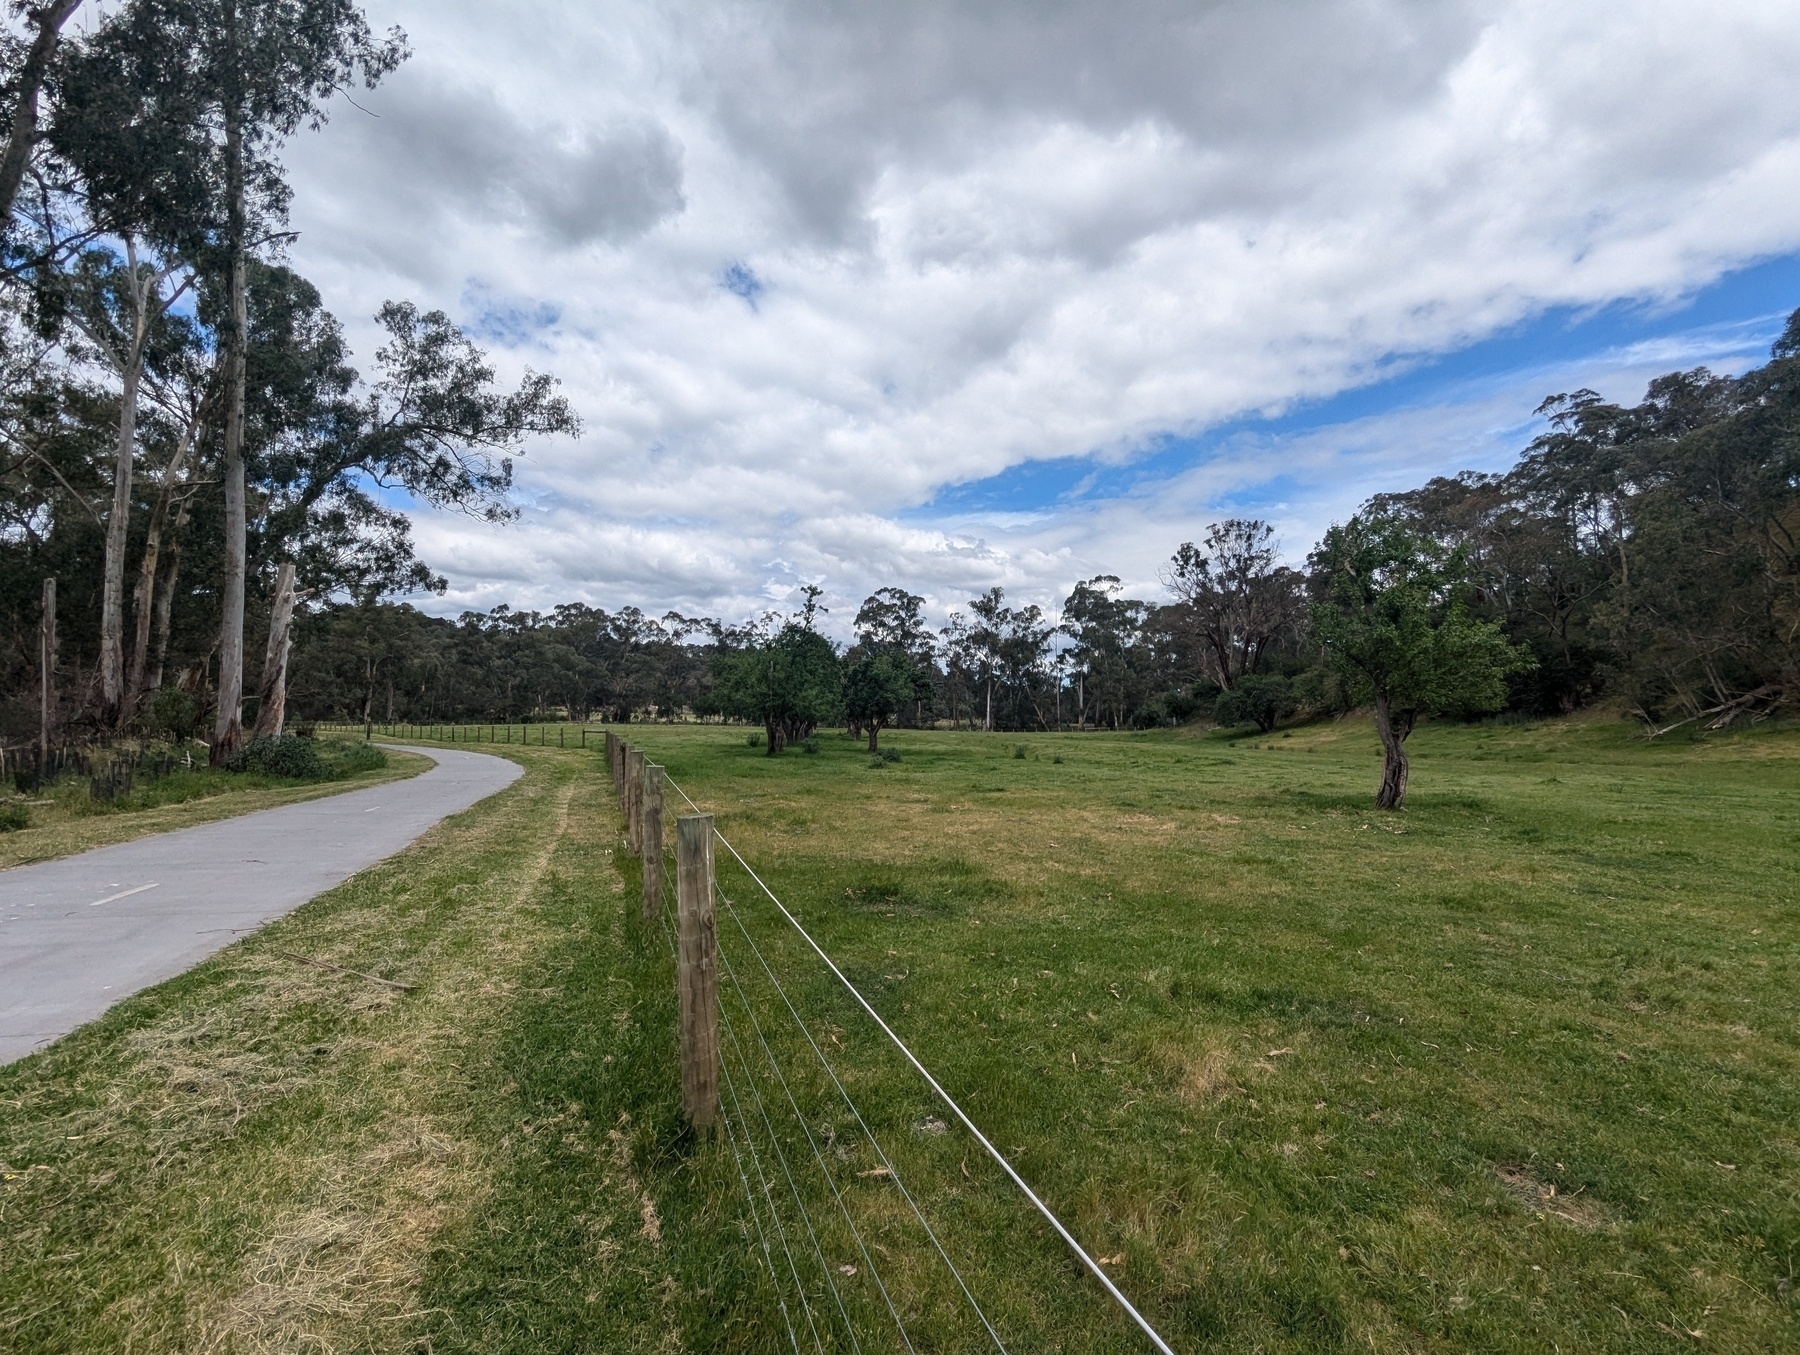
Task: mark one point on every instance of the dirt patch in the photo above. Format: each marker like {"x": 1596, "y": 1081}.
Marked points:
{"x": 1541, "y": 1197}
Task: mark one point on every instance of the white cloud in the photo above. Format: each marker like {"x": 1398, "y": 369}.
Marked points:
{"x": 991, "y": 233}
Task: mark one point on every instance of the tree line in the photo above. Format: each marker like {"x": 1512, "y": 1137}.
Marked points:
{"x": 1644, "y": 554}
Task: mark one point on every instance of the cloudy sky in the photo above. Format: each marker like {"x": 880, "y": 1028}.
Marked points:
{"x": 976, "y": 292}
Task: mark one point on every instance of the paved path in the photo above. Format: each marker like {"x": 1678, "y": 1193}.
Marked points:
{"x": 78, "y": 934}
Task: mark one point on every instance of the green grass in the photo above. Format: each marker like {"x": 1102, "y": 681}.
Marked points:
{"x": 1306, "y": 1075}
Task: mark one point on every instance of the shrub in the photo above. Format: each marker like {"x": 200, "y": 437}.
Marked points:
{"x": 1019, "y": 752}
{"x": 809, "y": 746}
{"x": 1260, "y": 699}
{"x": 174, "y": 715}
{"x": 288, "y": 756}
{"x": 753, "y": 740}
{"x": 889, "y": 755}
{"x": 14, "y": 817}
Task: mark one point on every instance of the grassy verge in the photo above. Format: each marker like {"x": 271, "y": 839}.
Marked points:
{"x": 66, "y": 819}
{"x": 1515, "y": 1070}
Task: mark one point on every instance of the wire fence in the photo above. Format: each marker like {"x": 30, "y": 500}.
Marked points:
{"x": 852, "y": 1255}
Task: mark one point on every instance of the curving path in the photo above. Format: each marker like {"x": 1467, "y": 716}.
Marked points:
{"x": 77, "y": 935}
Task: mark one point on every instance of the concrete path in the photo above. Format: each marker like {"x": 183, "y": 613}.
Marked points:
{"x": 77, "y": 935}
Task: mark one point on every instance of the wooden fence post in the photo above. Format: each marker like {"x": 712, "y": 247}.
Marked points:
{"x": 612, "y": 759}
{"x": 634, "y": 798}
{"x": 651, "y": 849}
{"x": 697, "y": 971}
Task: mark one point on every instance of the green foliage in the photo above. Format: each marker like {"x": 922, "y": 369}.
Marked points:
{"x": 877, "y": 687}
{"x": 790, "y": 683}
{"x": 1261, "y": 699}
{"x": 14, "y": 816}
{"x": 1392, "y": 616}
{"x": 294, "y": 758}
{"x": 174, "y": 715}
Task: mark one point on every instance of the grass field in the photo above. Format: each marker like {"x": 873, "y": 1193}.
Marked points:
{"x": 65, "y": 818}
{"x": 1515, "y": 1070}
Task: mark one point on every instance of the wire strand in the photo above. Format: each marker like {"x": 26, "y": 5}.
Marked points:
{"x": 818, "y": 1156}
{"x": 993, "y": 1152}
{"x": 738, "y": 1158}
{"x": 892, "y": 1171}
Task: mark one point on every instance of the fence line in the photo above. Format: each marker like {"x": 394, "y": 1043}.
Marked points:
{"x": 1092, "y": 1266}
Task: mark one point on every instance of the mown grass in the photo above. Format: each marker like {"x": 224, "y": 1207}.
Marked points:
{"x": 64, "y": 818}
{"x": 1304, "y": 1075}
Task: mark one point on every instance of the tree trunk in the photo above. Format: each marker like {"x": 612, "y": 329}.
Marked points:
{"x": 271, "y": 706}
{"x": 164, "y": 606}
{"x": 228, "y": 729}
{"x": 46, "y": 675}
{"x": 1392, "y": 726}
{"x": 113, "y": 705}
{"x": 24, "y": 134}
{"x": 143, "y": 595}
{"x": 874, "y": 736}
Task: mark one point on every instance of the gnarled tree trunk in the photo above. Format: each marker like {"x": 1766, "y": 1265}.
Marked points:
{"x": 1393, "y": 726}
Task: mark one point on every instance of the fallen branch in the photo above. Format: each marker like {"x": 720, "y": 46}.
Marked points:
{"x": 341, "y": 969}
{"x": 1771, "y": 694}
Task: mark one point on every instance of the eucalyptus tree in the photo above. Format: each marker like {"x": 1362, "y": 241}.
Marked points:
{"x": 246, "y": 74}
{"x": 1105, "y": 627}
{"x": 891, "y": 622}
{"x": 1239, "y": 599}
{"x": 29, "y": 65}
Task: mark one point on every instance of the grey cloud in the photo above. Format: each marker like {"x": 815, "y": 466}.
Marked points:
{"x": 827, "y": 96}
{"x": 440, "y": 148}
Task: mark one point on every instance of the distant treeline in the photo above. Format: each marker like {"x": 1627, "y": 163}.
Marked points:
{"x": 1647, "y": 553}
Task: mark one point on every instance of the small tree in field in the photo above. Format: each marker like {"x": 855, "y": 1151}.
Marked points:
{"x": 1261, "y": 699}
{"x": 791, "y": 682}
{"x": 876, "y": 688}
{"x": 1389, "y": 611}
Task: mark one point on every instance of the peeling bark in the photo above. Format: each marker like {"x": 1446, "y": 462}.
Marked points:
{"x": 271, "y": 708}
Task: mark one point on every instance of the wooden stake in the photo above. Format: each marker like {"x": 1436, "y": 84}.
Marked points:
{"x": 697, "y": 971}
{"x": 634, "y": 798}
{"x": 47, "y": 674}
{"x": 652, "y": 848}
{"x": 612, "y": 759}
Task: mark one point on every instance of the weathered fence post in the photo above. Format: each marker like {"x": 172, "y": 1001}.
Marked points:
{"x": 697, "y": 971}
{"x": 651, "y": 849}
{"x": 634, "y": 798}
{"x": 47, "y": 674}
{"x": 612, "y": 759}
